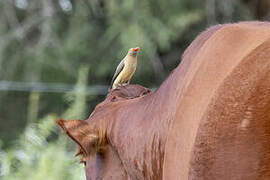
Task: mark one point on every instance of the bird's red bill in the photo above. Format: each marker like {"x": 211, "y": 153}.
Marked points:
{"x": 136, "y": 49}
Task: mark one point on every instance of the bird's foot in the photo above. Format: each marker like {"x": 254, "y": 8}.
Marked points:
{"x": 124, "y": 84}
{"x": 121, "y": 85}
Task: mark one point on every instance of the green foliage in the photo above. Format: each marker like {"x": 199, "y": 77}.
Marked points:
{"x": 36, "y": 156}
{"x": 39, "y": 153}
{"x": 151, "y": 25}
{"x": 78, "y": 97}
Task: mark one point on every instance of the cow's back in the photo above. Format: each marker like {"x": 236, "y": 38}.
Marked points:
{"x": 221, "y": 129}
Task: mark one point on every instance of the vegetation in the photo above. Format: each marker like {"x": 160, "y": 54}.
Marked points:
{"x": 36, "y": 156}
{"x": 66, "y": 42}
{"x": 40, "y": 153}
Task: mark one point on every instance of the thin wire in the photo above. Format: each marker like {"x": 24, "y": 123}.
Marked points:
{"x": 50, "y": 87}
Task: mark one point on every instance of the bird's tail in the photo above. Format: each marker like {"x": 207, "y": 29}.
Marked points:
{"x": 110, "y": 87}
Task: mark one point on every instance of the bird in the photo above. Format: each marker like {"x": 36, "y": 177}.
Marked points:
{"x": 125, "y": 69}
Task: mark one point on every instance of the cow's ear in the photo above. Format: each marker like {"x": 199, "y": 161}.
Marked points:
{"x": 87, "y": 137}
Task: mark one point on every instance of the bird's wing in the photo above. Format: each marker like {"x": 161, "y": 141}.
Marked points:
{"x": 119, "y": 68}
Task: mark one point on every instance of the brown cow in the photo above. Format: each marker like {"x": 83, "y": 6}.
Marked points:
{"x": 210, "y": 119}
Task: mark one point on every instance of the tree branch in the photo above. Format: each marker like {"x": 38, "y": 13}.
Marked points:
{"x": 10, "y": 14}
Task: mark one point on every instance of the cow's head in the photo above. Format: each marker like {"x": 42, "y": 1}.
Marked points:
{"x": 98, "y": 152}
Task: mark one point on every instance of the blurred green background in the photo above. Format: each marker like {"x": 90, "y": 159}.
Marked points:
{"x": 57, "y": 58}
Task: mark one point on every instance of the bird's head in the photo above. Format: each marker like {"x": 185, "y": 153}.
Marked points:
{"x": 133, "y": 51}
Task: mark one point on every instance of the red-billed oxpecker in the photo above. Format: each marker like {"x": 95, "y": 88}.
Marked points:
{"x": 125, "y": 69}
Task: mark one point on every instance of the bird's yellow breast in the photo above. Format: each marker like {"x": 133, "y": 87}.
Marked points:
{"x": 128, "y": 70}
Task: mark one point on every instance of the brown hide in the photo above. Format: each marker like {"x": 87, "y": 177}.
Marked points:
{"x": 223, "y": 110}
{"x": 209, "y": 119}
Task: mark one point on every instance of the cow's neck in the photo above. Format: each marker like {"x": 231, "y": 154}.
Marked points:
{"x": 139, "y": 130}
